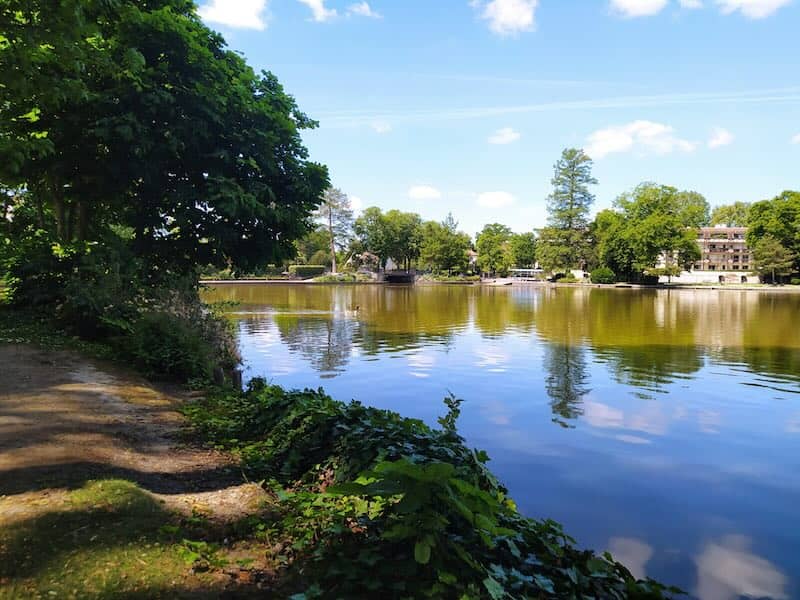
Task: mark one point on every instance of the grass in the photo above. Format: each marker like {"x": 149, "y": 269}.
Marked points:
{"x": 20, "y": 327}
{"x": 106, "y": 540}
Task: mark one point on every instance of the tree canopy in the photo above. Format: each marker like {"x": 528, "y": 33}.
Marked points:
{"x": 136, "y": 115}
{"x": 563, "y": 242}
{"x": 772, "y": 259}
{"x": 335, "y": 214}
{"x": 394, "y": 234}
{"x": 780, "y": 219}
{"x": 731, "y": 215}
{"x": 443, "y": 248}
{"x": 645, "y": 225}
{"x": 494, "y": 249}
{"x": 523, "y": 249}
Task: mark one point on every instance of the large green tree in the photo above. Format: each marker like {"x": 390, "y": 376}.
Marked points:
{"x": 523, "y": 249}
{"x": 731, "y": 215}
{"x": 336, "y": 216}
{"x": 135, "y": 114}
{"x": 394, "y": 234}
{"x": 647, "y": 225}
{"x": 772, "y": 259}
{"x": 443, "y": 248}
{"x": 778, "y": 218}
{"x": 692, "y": 209}
{"x": 563, "y": 242}
{"x": 494, "y": 249}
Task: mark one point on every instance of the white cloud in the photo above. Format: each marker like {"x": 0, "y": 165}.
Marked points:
{"x": 796, "y": 139}
{"x": 727, "y": 568}
{"x": 423, "y": 192}
{"x": 363, "y": 9}
{"x": 691, "y": 4}
{"x": 381, "y": 126}
{"x": 645, "y": 136}
{"x": 506, "y": 135}
{"x": 508, "y": 17}
{"x": 720, "y": 137}
{"x": 495, "y": 199}
{"x": 752, "y": 9}
{"x": 244, "y": 14}
{"x": 633, "y": 553}
{"x": 318, "y": 10}
{"x": 637, "y": 8}
{"x": 356, "y": 203}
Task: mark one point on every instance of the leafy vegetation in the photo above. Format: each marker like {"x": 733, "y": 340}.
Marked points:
{"x": 772, "y": 259}
{"x": 383, "y": 506}
{"x": 650, "y": 222}
{"x": 336, "y": 217}
{"x": 778, "y": 218}
{"x": 306, "y": 271}
{"x": 731, "y": 215}
{"x": 494, "y": 249}
{"x": 563, "y": 243}
{"x": 603, "y": 275}
{"x": 443, "y": 248}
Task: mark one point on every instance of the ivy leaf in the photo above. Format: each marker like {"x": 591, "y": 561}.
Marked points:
{"x": 495, "y": 590}
{"x": 422, "y": 552}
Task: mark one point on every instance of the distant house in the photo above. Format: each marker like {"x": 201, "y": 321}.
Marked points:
{"x": 473, "y": 257}
{"x": 723, "y": 249}
{"x": 724, "y": 257}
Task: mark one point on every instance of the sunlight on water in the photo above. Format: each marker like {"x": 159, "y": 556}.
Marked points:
{"x": 662, "y": 425}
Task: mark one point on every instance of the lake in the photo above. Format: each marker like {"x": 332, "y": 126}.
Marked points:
{"x": 662, "y": 425}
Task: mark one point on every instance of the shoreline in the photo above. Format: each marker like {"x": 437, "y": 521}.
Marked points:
{"x": 780, "y": 289}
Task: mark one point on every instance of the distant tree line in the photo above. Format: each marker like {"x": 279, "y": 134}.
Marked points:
{"x": 649, "y": 231}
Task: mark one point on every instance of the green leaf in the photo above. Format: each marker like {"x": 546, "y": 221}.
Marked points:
{"x": 422, "y": 552}
{"x": 544, "y": 583}
{"x": 495, "y": 590}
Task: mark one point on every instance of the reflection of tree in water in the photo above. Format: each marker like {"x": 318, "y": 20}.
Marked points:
{"x": 325, "y": 342}
{"x": 566, "y": 382}
{"x": 651, "y": 367}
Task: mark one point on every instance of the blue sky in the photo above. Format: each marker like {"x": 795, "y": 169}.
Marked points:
{"x": 464, "y": 105}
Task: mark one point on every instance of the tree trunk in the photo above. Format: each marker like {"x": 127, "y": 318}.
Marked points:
{"x": 83, "y": 221}
{"x": 60, "y": 212}
{"x": 333, "y": 242}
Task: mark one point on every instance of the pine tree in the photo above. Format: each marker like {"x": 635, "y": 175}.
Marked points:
{"x": 564, "y": 239}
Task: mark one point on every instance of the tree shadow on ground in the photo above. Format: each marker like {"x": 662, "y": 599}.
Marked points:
{"x": 110, "y": 539}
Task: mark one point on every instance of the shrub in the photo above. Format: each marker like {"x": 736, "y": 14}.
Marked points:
{"x": 320, "y": 257}
{"x": 92, "y": 289}
{"x": 307, "y": 271}
{"x": 794, "y": 281}
{"x": 385, "y": 507}
{"x": 568, "y": 278}
{"x": 603, "y": 275}
{"x": 168, "y": 347}
{"x": 180, "y": 338}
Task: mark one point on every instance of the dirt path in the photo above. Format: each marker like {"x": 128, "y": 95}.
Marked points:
{"x": 65, "y": 420}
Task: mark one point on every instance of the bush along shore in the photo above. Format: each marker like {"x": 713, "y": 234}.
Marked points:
{"x": 377, "y": 505}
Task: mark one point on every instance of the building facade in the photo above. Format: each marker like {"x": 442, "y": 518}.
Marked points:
{"x": 723, "y": 249}
{"x": 724, "y": 258}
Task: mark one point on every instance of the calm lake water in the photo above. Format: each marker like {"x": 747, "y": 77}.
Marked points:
{"x": 663, "y": 426}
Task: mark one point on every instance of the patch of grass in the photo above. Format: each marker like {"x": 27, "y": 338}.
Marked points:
{"x": 107, "y": 540}
{"x": 22, "y": 327}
